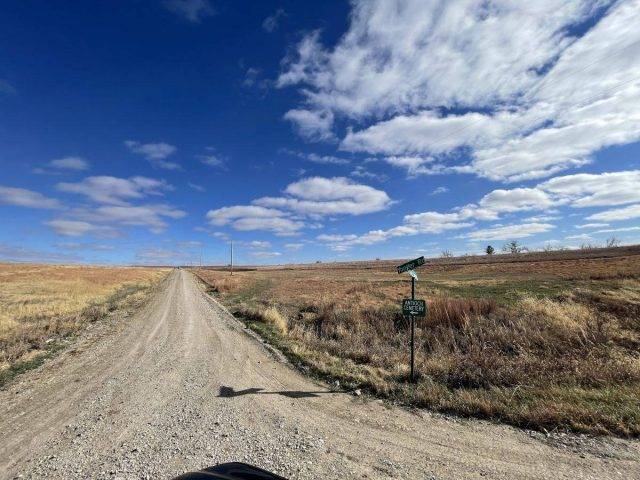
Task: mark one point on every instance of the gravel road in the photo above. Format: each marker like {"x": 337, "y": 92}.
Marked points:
{"x": 181, "y": 385}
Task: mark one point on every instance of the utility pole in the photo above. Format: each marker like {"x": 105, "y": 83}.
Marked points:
{"x": 231, "y": 257}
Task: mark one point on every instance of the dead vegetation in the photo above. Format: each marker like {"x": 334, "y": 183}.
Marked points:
{"x": 536, "y": 348}
{"x": 42, "y": 304}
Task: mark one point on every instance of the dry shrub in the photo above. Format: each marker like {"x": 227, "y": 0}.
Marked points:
{"x": 225, "y": 284}
{"x": 456, "y": 312}
{"x": 273, "y": 317}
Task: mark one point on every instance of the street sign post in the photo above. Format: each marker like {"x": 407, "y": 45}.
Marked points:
{"x": 412, "y": 307}
{"x": 405, "y": 267}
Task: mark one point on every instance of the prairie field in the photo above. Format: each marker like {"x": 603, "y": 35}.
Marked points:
{"x": 541, "y": 340}
{"x": 42, "y": 304}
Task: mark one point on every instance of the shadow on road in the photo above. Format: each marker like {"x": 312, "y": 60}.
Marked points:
{"x": 229, "y": 392}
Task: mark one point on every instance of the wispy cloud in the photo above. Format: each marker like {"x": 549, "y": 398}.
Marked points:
{"x": 193, "y": 11}
{"x": 156, "y": 153}
{"x": 212, "y": 161}
{"x": 272, "y": 21}
{"x": 23, "y": 254}
{"x": 439, "y": 190}
{"x": 509, "y": 232}
{"x": 70, "y": 163}
{"x": 317, "y": 158}
{"x": 114, "y": 190}
{"x": 394, "y": 77}
{"x": 26, "y": 198}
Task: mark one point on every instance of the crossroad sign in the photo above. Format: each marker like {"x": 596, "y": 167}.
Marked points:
{"x": 412, "y": 307}
{"x": 416, "y": 308}
{"x": 405, "y": 267}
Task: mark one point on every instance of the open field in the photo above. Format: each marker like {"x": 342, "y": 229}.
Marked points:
{"x": 42, "y": 304}
{"x": 543, "y": 340}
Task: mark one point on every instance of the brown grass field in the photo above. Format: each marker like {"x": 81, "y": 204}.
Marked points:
{"x": 43, "y": 304}
{"x": 542, "y": 340}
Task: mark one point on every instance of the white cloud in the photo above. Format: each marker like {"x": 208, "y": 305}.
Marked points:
{"x": 26, "y": 198}
{"x": 617, "y": 214}
{"x": 211, "y": 160}
{"x": 253, "y": 217}
{"x": 294, "y": 247}
{"x": 190, "y": 244}
{"x": 272, "y": 21}
{"x": 104, "y": 220}
{"x": 509, "y": 232}
{"x": 313, "y": 198}
{"x": 191, "y": 10}
{"x": 398, "y": 57}
{"x": 265, "y": 255}
{"x": 593, "y": 225}
{"x": 224, "y": 215}
{"x": 581, "y": 236}
{"x": 316, "y": 158}
{"x": 114, "y": 190}
{"x": 435, "y": 222}
{"x": 616, "y": 230}
{"x": 576, "y": 191}
{"x": 259, "y": 244}
{"x": 163, "y": 256}
{"x": 72, "y": 228}
{"x": 510, "y": 68}
{"x": 136, "y": 216}
{"x": 329, "y": 196}
{"x": 70, "y": 163}
{"x": 516, "y": 199}
{"x": 114, "y": 196}
{"x": 75, "y": 246}
{"x": 156, "y": 153}
{"x": 591, "y": 190}
{"x": 311, "y": 124}
{"x": 439, "y": 190}
{"x": 362, "y": 172}
{"x": 23, "y": 254}
{"x": 197, "y": 187}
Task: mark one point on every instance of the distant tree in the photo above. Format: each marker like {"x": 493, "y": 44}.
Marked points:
{"x": 490, "y": 250}
{"x": 613, "y": 242}
{"x": 446, "y": 254}
{"x": 513, "y": 247}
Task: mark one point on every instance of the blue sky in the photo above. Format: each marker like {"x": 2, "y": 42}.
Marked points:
{"x": 150, "y": 131}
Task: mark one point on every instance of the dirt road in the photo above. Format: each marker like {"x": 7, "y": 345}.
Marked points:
{"x": 180, "y": 386}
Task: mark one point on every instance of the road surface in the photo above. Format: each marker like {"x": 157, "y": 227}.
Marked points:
{"x": 181, "y": 385}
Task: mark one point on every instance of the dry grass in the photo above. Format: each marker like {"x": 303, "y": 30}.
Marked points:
{"x": 42, "y": 303}
{"x": 542, "y": 347}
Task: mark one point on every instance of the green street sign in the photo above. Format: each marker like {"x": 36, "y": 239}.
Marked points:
{"x": 405, "y": 267}
{"x": 416, "y": 308}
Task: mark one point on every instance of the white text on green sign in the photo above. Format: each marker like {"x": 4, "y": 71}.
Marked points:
{"x": 416, "y": 308}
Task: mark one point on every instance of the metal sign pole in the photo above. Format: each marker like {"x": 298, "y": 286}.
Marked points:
{"x": 413, "y": 330}
{"x": 412, "y": 307}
